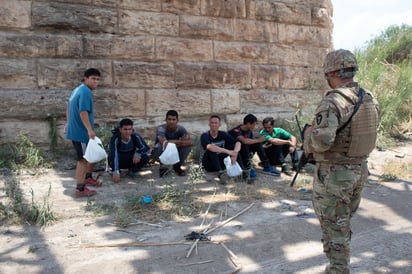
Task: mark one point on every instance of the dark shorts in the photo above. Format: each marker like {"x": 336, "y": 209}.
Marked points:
{"x": 80, "y": 148}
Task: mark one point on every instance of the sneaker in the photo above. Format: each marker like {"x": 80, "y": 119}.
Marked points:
{"x": 92, "y": 182}
{"x": 252, "y": 173}
{"x": 85, "y": 193}
{"x": 271, "y": 170}
{"x": 223, "y": 177}
{"x": 295, "y": 166}
{"x": 180, "y": 171}
{"x": 286, "y": 170}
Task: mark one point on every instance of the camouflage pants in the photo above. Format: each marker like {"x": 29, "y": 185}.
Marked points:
{"x": 336, "y": 197}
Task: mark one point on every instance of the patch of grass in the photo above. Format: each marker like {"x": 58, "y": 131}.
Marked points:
{"x": 196, "y": 174}
{"x": 16, "y": 210}
{"x": 397, "y": 170}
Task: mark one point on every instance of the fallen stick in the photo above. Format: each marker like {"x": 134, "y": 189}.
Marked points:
{"x": 204, "y": 262}
{"x": 141, "y": 244}
{"x": 230, "y": 219}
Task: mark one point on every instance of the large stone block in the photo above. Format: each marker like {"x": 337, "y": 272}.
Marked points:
{"x": 206, "y": 27}
{"x": 227, "y": 8}
{"x": 253, "y": 30}
{"x": 119, "y": 103}
{"x": 40, "y": 45}
{"x": 28, "y": 104}
{"x": 302, "y": 78}
{"x": 182, "y": 7}
{"x": 15, "y": 14}
{"x": 73, "y": 17}
{"x": 17, "y": 73}
{"x": 225, "y": 101}
{"x": 143, "y": 75}
{"x": 37, "y": 131}
{"x": 212, "y": 75}
{"x": 139, "y": 22}
{"x": 321, "y": 17}
{"x": 241, "y": 52}
{"x": 304, "y": 35}
{"x": 274, "y": 103}
{"x": 265, "y": 77}
{"x": 67, "y": 73}
{"x": 285, "y": 55}
{"x": 187, "y": 102}
{"x": 293, "y": 12}
{"x": 148, "y": 5}
{"x": 180, "y": 49}
{"x": 115, "y": 47}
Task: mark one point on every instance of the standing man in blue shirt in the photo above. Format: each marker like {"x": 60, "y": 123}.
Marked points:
{"x": 79, "y": 129}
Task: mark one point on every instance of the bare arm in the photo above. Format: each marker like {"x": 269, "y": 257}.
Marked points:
{"x": 84, "y": 116}
{"x": 249, "y": 141}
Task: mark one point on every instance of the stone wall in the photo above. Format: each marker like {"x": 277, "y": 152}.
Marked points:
{"x": 229, "y": 57}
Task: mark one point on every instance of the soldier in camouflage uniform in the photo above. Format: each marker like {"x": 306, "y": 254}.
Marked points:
{"x": 342, "y": 135}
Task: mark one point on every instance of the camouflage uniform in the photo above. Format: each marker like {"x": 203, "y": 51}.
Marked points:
{"x": 341, "y": 168}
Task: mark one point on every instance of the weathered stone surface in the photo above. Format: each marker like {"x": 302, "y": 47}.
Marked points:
{"x": 206, "y": 27}
{"x": 240, "y": 52}
{"x": 225, "y": 101}
{"x": 74, "y": 17}
{"x": 143, "y": 75}
{"x": 139, "y": 22}
{"x": 182, "y": 6}
{"x": 275, "y": 103}
{"x": 15, "y": 14}
{"x": 227, "y": 8}
{"x": 114, "y": 47}
{"x": 17, "y": 73}
{"x": 321, "y": 17}
{"x": 302, "y": 78}
{"x": 148, "y": 5}
{"x": 37, "y": 131}
{"x": 64, "y": 73}
{"x": 294, "y": 12}
{"x": 187, "y": 102}
{"x": 184, "y": 49}
{"x": 259, "y": 31}
{"x": 304, "y": 35}
{"x": 285, "y": 55}
{"x": 40, "y": 45}
{"x": 265, "y": 77}
{"x": 119, "y": 103}
{"x": 37, "y": 104}
{"x": 209, "y": 75}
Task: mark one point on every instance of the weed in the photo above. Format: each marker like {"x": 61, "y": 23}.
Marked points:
{"x": 41, "y": 214}
{"x": 196, "y": 173}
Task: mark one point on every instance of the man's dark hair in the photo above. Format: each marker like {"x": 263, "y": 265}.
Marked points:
{"x": 249, "y": 119}
{"x": 91, "y": 72}
{"x": 126, "y": 122}
{"x": 173, "y": 113}
{"x": 214, "y": 116}
{"x": 269, "y": 120}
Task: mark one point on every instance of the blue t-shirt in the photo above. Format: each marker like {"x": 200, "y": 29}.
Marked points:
{"x": 80, "y": 100}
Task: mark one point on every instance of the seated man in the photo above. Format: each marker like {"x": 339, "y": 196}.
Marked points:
{"x": 279, "y": 143}
{"x": 217, "y": 145}
{"x": 171, "y": 132}
{"x": 128, "y": 150}
{"x": 250, "y": 145}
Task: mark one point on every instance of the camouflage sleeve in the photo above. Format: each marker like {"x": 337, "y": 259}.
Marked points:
{"x": 325, "y": 125}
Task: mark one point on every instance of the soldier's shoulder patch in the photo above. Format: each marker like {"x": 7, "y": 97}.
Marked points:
{"x": 321, "y": 120}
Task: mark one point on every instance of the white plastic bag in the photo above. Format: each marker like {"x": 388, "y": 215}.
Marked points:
{"x": 232, "y": 170}
{"x": 170, "y": 155}
{"x": 95, "y": 151}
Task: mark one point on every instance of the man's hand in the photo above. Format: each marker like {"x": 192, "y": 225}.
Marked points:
{"x": 136, "y": 160}
{"x": 116, "y": 178}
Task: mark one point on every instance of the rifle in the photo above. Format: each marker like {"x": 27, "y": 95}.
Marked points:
{"x": 303, "y": 160}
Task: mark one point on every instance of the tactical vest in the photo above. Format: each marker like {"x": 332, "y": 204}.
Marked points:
{"x": 358, "y": 138}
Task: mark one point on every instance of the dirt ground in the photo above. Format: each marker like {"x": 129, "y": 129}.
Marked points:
{"x": 266, "y": 227}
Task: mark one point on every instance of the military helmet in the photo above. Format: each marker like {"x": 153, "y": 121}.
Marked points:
{"x": 339, "y": 60}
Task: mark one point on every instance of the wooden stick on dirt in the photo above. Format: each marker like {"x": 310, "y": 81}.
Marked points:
{"x": 141, "y": 244}
{"x": 230, "y": 219}
{"x": 204, "y": 262}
